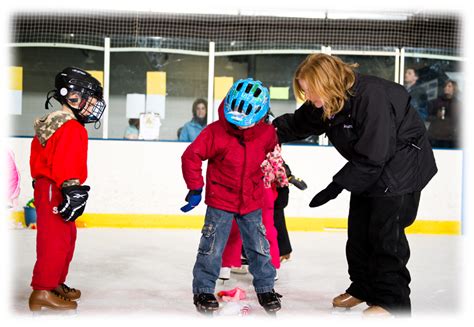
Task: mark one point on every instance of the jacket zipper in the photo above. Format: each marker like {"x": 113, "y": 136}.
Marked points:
{"x": 242, "y": 177}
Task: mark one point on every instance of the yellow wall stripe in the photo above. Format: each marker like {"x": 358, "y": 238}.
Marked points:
{"x": 195, "y": 222}
{"x": 16, "y": 78}
{"x": 156, "y": 83}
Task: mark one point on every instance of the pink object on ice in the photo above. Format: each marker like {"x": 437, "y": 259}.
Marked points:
{"x": 233, "y": 295}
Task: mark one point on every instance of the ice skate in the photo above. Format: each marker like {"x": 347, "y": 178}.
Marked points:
{"x": 50, "y": 300}
{"x": 68, "y": 292}
{"x": 285, "y": 258}
{"x": 376, "y": 311}
{"x": 205, "y": 303}
{"x": 270, "y": 301}
{"x": 224, "y": 273}
{"x": 345, "y": 301}
{"x": 243, "y": 269}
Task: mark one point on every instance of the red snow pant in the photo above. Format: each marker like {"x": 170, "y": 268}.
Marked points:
{"x": 55, "y": 239}
{"x": 233, "y": 249}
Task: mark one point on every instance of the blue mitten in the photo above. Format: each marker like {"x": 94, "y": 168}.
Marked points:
{"x": 193, "y": 198}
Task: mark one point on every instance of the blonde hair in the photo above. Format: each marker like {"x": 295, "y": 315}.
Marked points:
{"x": 328, "y": 77}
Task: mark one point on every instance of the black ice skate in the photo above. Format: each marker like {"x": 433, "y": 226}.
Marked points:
{"x": 205, "y": 302}
{"x": 270, "y": 301}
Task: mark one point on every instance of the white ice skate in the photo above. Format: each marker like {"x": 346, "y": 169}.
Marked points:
{"x": 224, "y": 274}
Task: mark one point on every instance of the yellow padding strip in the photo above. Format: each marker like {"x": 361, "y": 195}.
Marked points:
{"x": 195, "y": 222}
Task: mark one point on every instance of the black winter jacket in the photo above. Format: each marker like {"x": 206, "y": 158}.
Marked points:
{"x": 377, "y": 131}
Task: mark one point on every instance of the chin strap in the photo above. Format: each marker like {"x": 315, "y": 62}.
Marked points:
{"x": 49, "y": 96}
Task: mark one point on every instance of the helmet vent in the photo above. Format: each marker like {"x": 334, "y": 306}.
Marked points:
{"x": 248, "y": 88}
{"x": 239, "y": 86}
{"x": 241, "y": 106}
{"x": 249, "y": 110}
{"x": 233, "y": 104}
{"x": 257, "y": 92}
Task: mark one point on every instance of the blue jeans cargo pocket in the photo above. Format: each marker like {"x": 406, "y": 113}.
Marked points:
{"x": 208, "y": 237}
{"x": 262, "y": 234}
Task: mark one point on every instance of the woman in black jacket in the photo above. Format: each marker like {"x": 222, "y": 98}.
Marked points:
{"x": 370, "y": 122}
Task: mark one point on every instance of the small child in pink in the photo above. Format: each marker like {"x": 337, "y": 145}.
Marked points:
{"x": 13, "y": 182}
{"x": 274, "y": 175}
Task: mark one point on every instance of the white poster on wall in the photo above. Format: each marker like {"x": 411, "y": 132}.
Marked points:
{"x": 135, "y": 105}
{"x": 16, "y": 101}
{"x": 156, "y": 103}
{"x": 150, "y": 123}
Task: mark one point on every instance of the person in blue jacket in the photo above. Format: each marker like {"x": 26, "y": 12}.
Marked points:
{"x": 191, "y": 129}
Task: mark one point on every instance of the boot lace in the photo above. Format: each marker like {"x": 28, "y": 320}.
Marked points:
{"x": 67, "y": 289}
{"x": 59, "y": 295}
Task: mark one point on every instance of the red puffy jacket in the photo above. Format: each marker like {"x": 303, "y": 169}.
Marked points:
{"x": 234, "y": 177}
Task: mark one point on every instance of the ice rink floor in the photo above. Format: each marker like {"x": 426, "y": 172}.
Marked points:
{"x": 148, "y": 272}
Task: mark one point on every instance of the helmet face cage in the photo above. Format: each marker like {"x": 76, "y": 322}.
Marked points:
{"x": 88, "y": 107}
{"x": 246, "y": 103}
{"x": 78, "y": 87}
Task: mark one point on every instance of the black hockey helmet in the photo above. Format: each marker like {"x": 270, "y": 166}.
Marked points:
{"x": 74, "y": 85}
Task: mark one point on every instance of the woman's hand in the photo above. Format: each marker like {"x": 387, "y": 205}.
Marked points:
{"x": 329, "y": 193}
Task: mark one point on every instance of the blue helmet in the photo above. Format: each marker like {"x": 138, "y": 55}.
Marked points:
{"x": 246, "y": 103}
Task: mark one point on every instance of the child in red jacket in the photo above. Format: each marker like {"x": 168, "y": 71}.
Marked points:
{"x": 234, "y": 146}
{"x": 58, "y": 164}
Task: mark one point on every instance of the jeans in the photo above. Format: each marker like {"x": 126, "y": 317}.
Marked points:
{"x": 215, "y": 233}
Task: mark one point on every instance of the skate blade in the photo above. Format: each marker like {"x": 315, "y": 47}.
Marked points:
{"x": 48, "y": 312}
{"x": 207, "y": 312}
{"x": 272, "y": 314}
{"x": 344, "y": 312}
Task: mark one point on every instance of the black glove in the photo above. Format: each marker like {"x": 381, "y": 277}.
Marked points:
{"x": 329, "y": 193}
{"x": 74, "y": 201}
{"x": 298, "y": 182}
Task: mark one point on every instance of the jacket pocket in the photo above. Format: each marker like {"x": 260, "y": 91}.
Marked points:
{"x": 403, "y": 169}
{"x": 223, "y": 190}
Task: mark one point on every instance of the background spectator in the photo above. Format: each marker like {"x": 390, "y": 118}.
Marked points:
{"x": 419, "y": 99}
{"x": 133, "y": 129}
{"x": 444, "y": 117}
{"x": 191, "y": 129}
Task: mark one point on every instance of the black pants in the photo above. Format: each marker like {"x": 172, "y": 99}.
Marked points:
{"x": 377, "y": 250}
{"x": 281, "y": 202}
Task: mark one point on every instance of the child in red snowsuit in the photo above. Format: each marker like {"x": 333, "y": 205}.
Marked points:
{"x": 58, "y": 163}
{"x": 234, "y": 146}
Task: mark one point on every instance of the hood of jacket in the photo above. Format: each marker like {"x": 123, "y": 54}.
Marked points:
{"x": 48, "y": 124}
